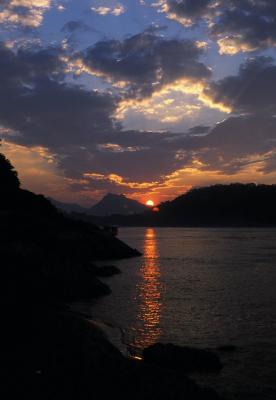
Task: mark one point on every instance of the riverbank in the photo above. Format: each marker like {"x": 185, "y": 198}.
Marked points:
{"x": 51, "y": 353}
{"x": 47, "y": 351}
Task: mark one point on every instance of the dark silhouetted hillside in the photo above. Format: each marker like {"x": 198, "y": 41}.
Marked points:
{"x": 68, "y": 207}
{"x": 47, "y": 254}
{"x": 234, "y": 204}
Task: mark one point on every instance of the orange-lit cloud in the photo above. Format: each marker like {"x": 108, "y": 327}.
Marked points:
{"x": 32, "y": 15}
{"x": 168, "y": 103}
{"x": 119, "y": 180}
{"x": 199, "y": 174}
{"x": 38, "y": 172}
{"x": 163, "y": 7}
{"x": 232, "y": 45}
{"x": 36, "y": 166}
{"x": 115, "y": 10}
{"x": 180, "y": 99}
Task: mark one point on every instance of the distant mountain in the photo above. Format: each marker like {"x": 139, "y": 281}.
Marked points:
{"x": 68, "y": 207}
{"x": 116, "y": 204}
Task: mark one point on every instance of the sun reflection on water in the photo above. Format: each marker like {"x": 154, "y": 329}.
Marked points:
{"x": 149, "y": 293}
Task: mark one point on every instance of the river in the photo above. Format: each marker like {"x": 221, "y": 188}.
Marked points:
{"x": 201, "y": 287}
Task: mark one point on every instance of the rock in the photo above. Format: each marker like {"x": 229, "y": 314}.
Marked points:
{"x": 51, "y": 354}
{"x": 186, "y": 359}
{"x": 147, "y": 382}
{"x": 107, "y": 270}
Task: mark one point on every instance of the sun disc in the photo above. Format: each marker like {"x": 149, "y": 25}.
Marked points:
{"x": 150, "y": 203}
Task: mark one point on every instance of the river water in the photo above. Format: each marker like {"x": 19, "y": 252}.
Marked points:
{"x": 202, "y": 287}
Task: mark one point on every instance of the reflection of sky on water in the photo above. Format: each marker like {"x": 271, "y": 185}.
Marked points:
{"x": 149, "y": 290}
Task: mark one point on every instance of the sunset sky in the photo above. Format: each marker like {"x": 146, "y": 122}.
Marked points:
{"x": 142, "y": 97}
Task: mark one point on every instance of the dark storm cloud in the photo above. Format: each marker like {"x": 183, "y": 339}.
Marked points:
{"x": 252, "y": 90}
{"x": 74, "y": 124}
{"x": 246, "y": 25}
{"x": 244, "y": 135}
{"x": 144, "y": 156}
{"x": 230, "y": 147}
{"x": 248, "y": 136}
{"x": 41, "y": 107}
{"x": 146, "y": 62}
{"x": 199, "y": 130}
{"x": 77, "y": 126}
{"x": 237, "y": 25}
{"x": 28, "y": 63}
{"x": 188, "y": 8}
{"x": 236, "y": 143}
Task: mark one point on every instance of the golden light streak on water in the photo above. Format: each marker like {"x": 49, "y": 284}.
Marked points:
{"x": 149, "y": 292}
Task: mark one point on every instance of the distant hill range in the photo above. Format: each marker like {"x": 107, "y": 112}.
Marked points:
{"x": 68, "y": 207}
{"x": 110, "y": 204}
{"x": 219, "y": 205}
{"x": 228, "y": 205}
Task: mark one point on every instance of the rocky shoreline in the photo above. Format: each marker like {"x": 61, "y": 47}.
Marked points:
{"x": 47, "y": 351}
{"x": 50, "y": 352}
{"x": 56, "y": 355}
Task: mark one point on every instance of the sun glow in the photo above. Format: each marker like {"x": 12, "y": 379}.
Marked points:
{"x": 150, "y": 203}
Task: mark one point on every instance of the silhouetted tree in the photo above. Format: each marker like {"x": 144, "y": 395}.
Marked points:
{"x": 8, "y": 176}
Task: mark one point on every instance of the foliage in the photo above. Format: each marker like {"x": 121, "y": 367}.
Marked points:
{"x": 8, "y": 176}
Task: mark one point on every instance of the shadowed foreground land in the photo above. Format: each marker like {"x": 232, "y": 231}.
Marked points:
{"x": 48, "y": 352}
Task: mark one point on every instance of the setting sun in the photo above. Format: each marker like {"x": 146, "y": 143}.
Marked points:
{"x": 150, "y": 203}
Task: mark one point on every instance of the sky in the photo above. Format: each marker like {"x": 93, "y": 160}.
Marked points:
{"x": 143, "y": 97}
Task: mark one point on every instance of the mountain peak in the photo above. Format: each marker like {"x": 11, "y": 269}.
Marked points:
{"x": 113, "y": 195}
{"x": 113, "y": 203}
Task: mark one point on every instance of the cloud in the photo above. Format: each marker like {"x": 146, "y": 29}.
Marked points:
{"x": 239, "y": 138}
{"x": 186, "y": 12}
{"x": 253, "y": 90}
{"x": 27, "y": 13}
{"x": 38, "y": 103}
{"x": 115, "y": 10}
{"x": 236, "y": 25}
{"x": 119, "y": 181}
{"x": 37, "y": 169}
{"x": 199, "y": 130}
{"x": 144, "y": 63}
{"x": 241, "y": 148}
{"x": 73, "y": 129}
{"x": 232, "y": 146}
{"x": 76, "y": 126}
{"x": 244, "y": 26}
{"x": 116, "y": 148}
